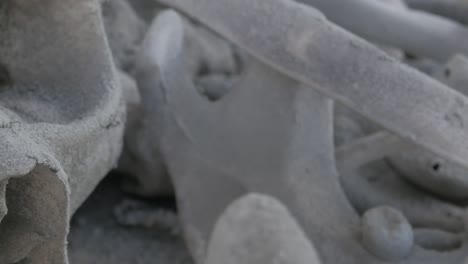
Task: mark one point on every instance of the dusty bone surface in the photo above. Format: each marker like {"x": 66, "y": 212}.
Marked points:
{"x": 142, "y": 158}
{"x": 430, "y": 171}
{"x": 430, "y": 207}
{"x": 230, "y": 27}
{"x": 429, "y": 239}
{"x": 125, "y": 26}
{"x": 388, "y": 185}
{"x": 195, "y": 133}
{"x": 259, "y": 229}
{"x": 62, "y": 120}
{"x": 406, "y": 105}
{"x": 419, "y": 33}
{"x": 187, "y": 122}
{"x": 124, "y": 30}
{"x": 453, "y": 9}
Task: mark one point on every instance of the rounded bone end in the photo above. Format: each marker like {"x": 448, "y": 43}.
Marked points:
{"x": 387, "y": 234}
{"x": 258, "y": 229}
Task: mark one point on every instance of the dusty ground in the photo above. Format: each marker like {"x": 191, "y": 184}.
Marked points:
{"x": 96, "y": 237}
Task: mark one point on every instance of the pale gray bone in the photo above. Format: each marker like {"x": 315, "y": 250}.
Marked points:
{"x": 258, "y": 229}
{"x": 349, "y": 126}
{"x": 451, "y": 220}
{"x": 371, "y": 185}
{"x": 454, "y": 73}
{"x": 393, "y": 52}
{"x": 377, "y": 184}
{"x": 419, "y": 33}
{"x": 268, "y": 135}
{"x": 130, "y": 93}
{"x": 437, "y": 239}
{"x": 141, "y": 157}
{"x": 289, "y": 24}
{"x": 61, "y": 116}
{"x": 453, "y": 9}
{"x": 124, "y": 30}
{"x": 297, "y": 40}
{"x": 364, "y": 150}
{"x": 430, "y": 171}
{"x": 346, "y": 129}
{"x": 386, "y": 187}
{"x": 425, "y": 65}
{"x": 140, "y": 163}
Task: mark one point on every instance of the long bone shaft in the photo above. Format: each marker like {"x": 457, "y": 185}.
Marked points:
{"x": 455, "y": 9}
{"x": 300, "y": 42}
{"x": 367, "y": 149}
{"x": 419, "y": 33}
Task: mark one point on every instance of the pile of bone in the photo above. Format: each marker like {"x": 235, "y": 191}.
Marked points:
{"x": 309, "y": 131}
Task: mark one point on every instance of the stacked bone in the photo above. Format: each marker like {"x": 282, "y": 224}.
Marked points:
{"x": 230, "y": 123}
{"x": 289, "y": 132}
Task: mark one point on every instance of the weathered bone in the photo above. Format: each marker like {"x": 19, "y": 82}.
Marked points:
{"x": 297, "y": 40}
{"x": 259, "y": 229}
{"x": 437, "y": 239}
{"x": 384, "y": 186}
{"x": 142, "y": 158}
{"x": 269, "y": 135}
{"x": 454, "y": 9}
{"x": 416, "y": 32}
{"x": 124, "y": 30}
{"x": 369, "y": 182}
{"x": 61, "y": 118}
{"x": 377, "y": 184}
{"x": 430, "y": 171}
{"x": 367, "y": 149}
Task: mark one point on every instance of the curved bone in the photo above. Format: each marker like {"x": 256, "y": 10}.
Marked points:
{"x": 124, "y": 30}
{"x": 430, "y": 171}
{"x": 369, "y": 182}
{"x": 377, "y": 184}
{"x": 437, "y": 240}
{"x": 36, "y": 225}
{"x": 61, "y": 118}
{"x": 259, "y": 229}
{"x": 367, "y": 149}
{"x": 269, "y": 135}
{"x": 349, "y": 126}
{"x": 140, "y": 161}
{"x": 454, "y": 9}
{"x": 298, "y": 41}
{"x": 454, "y": 73}
{"x": 416, "y": 32}
{"x": 384, "y": 186}
{"x": 142, "y": 158}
